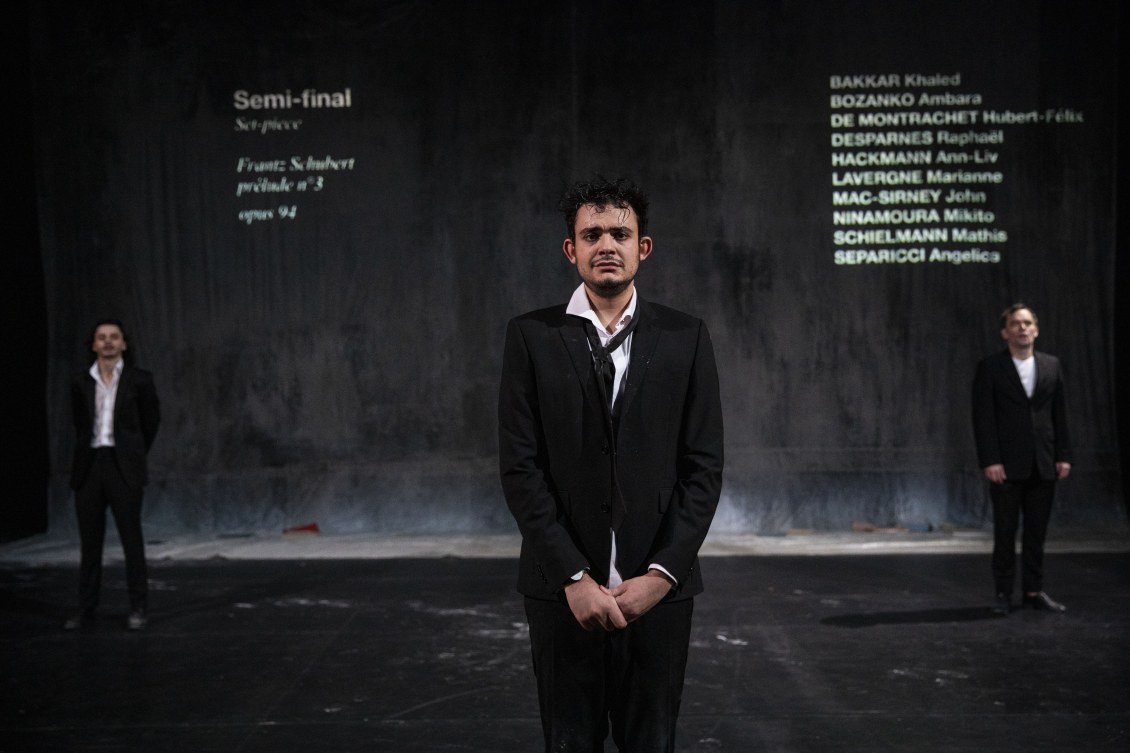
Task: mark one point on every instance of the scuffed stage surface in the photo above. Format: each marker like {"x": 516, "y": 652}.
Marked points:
{"x": 891, "y": 652}
{"x": 56, "y": 549}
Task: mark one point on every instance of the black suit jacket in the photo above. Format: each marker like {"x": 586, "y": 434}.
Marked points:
{"x": 554, "y": 454}
{"x": 1027, "y": 436}
{"x": 136, "y": 417}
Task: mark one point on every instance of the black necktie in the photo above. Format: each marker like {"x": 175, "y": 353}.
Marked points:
{"x": 602, "y": 356}
{"x": 605, "y": 374}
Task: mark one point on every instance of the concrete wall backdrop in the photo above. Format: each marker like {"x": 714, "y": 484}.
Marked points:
{"x": 337, "y": 361}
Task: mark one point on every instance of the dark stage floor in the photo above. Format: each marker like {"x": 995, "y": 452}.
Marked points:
{"x": 804, "y": 654}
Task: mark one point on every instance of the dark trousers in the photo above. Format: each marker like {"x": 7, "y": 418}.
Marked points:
{"x": 629, "y": 681}
{"x": 1031, "y": 498}
{"x": 104, "y": 487}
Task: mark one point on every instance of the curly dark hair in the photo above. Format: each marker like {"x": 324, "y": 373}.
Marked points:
{"x": 601, "y": 192}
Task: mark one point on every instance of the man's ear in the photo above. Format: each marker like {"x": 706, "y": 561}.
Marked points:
{"x": 645, "y": 247}
{"x": 570, "y": 251}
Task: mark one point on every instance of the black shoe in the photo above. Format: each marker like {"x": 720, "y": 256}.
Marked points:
{"x": 79, "y": 621}
{"x": 137, "y": 620}
{"x": 1003, "y": 605}
{"x": 1042, "y": 601}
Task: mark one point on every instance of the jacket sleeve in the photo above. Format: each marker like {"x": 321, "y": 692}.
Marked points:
{"x": 148, "y": 408}
{"x": 524, "y": 465}
{"x": 1063, "y": 453}
{"x": 699, "y": 465}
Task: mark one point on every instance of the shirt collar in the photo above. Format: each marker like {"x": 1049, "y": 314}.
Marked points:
{"x": 117, "y": 370}
{"x": 579, "y": 305}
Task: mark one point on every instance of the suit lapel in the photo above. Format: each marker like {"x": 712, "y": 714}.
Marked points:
{"x": 644, "y": 341}
{"x": 90, "y": 394}
{"x": 1045, "y": 377}
{"x": 123, "y": 389}
{"x": 576, "y": 343}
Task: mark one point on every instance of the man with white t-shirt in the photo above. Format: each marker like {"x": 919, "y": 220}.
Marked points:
{"x": 1023, "y": 447}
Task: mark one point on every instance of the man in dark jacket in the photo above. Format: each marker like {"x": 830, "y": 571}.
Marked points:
{"x": 116, "y": 414}
{"x": 1020, "y": 426}
{"x": 610, "y": 445}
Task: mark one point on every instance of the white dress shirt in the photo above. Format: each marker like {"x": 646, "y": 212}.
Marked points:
{"x": 105, "y": 396}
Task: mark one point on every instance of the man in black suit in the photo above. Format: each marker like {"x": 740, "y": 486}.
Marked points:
{"x": 610, "y": 449}
{"x": 116, "y": 414}
{"x": 1020, "y": 425}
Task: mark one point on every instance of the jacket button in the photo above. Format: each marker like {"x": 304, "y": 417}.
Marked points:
{"x": 604, "y": 449}
{"x": 604, "y": 508}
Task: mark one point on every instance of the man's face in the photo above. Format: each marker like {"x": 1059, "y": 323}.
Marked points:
{"x": 1020, "y": 330}
{"x": 108, "y": 342}
{"x": 607, "y": 249}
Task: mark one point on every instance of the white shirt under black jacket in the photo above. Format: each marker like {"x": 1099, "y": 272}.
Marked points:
{"x": 1026, "y": 370}
{"x": 105, "y": 396}
{"x": 579, "y": 305}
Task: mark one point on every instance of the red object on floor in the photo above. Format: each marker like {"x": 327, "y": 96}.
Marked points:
{"x": 308, "y": 528}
